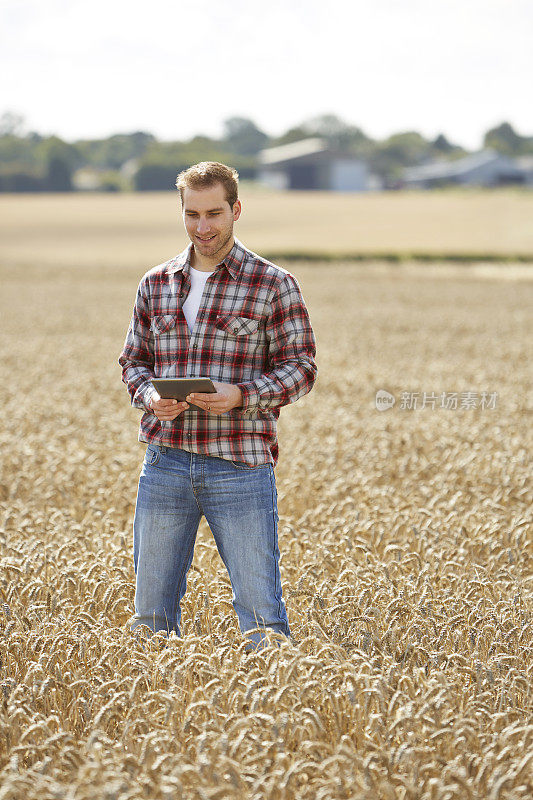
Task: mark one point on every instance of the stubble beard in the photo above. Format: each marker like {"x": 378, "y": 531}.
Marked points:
{"x": 219, "y": 249}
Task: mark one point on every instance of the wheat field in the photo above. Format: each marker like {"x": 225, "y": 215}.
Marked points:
{"x": 130, "y": 231}
{"x": 406, "y": 556}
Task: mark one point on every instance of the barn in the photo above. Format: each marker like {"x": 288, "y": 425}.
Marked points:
{"x": 484, "y": 168}
{"x": 525, "y": 166}
{"x": 311, "y": 164}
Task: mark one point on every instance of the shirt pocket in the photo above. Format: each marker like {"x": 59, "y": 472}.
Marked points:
{"x": 237, "y": 326}
{"x": 163, "y": 323}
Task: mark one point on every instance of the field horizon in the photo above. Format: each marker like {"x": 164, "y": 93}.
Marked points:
{"x": 144, "y": 229}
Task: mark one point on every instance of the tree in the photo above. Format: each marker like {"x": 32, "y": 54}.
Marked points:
{"x": 400, "y": 150}
{"x": 504, "y": 139}
{"x": 58, "y": 176}
{"x": 12, "y": 124}
{"x": 15, "y": 180}
{"x": 442, "y": 145}
{"x": 54, "y": 147}
{"x": 242, "y": 136}
{"x": 114, "y": 151}
{"x": 155, "y": 177}
{"x": 337, "y": 134}
{"x": 442, "y": 149}
{"x": 61, "y": 160}
{"x": 292, "y": 135}
{"x": 20, "y": 151}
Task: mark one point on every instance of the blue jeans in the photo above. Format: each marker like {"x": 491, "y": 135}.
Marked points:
{"x": 240, "y": 505}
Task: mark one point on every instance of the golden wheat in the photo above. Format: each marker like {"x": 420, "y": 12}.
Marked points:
{"x": 139, "y": 230}
{"x": 406, "y": 561}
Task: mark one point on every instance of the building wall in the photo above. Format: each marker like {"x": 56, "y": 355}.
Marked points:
{"x": 275, "y": 179}
{"x": 347, "y": 176}
{"x": 339, "y": 175}
{"x": 484, "y": 175}
{"x": 304, "y": 176}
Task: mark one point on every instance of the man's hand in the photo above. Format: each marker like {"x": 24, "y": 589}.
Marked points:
{"x": 166, "y": 409}
{"x": 227, "y": 396}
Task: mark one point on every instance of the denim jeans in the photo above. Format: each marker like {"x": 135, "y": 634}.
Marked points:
{"x": 240, "y": 505}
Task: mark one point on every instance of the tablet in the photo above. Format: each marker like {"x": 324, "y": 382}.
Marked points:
{"x": 179, "y": 388}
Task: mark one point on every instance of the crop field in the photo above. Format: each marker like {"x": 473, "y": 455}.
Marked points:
{"x": 130, "y": 231}
{"x": 405, "y": 536}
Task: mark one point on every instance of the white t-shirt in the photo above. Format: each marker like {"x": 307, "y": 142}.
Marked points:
{"x": 192, "y": 303}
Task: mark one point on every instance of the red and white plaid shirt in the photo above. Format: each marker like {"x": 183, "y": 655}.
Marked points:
{"x": 252, "y": 330}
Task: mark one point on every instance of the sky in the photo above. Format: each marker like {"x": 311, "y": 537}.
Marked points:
{"x": 88, "y": 69}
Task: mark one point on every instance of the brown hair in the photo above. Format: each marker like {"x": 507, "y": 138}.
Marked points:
{"x": 207, "y": 174}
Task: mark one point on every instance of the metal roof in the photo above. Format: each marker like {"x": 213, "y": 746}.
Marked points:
{"x": 288, "y": 152}
{"x": 449, "y": 169}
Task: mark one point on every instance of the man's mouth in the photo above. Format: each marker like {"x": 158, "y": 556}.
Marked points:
{"x": 208, "y": 239}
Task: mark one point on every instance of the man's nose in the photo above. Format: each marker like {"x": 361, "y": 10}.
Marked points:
{"x": 203, "y": 225}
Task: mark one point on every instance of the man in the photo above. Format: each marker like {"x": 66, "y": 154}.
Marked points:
{"x": 216, "y": 310}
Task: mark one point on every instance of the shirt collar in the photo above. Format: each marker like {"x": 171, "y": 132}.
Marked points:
{"x": 233, "y": 261}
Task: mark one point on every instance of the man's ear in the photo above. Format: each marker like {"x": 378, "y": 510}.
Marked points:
{"x": 237, "y": 208}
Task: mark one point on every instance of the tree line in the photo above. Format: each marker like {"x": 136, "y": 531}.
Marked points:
{"x": 30, "y": 162}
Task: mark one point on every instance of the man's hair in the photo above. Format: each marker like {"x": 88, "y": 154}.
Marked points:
{"x": 207, "y": 174}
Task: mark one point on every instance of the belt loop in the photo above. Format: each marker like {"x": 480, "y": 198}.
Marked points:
{"x": 162, "y": 448}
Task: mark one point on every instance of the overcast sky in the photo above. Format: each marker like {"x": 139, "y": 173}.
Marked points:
{"x": 90, "y": 68}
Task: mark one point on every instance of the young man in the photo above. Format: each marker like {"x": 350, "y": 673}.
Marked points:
{"x": 216, "y": 310}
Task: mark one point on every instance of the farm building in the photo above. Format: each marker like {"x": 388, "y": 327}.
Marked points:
{"x": 485, "y": 168}
{"x": 525, "y": 165}
{"x": 311, "y": 164}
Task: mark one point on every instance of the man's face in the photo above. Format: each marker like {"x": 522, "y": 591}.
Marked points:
{"x": 209, "y": 218}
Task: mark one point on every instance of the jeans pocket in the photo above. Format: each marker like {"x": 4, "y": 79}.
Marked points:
{"x": 152, "y": 456}
{"x": 243, "y": 466}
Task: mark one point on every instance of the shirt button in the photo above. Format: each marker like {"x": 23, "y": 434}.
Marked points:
{"x": 235, "y": 330}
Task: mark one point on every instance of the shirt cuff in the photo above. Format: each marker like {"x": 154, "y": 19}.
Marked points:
{"x": 143, "y": 396}
{"x": 250, "y": 398}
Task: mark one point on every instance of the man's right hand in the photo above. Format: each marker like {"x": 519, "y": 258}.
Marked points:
{"x": 167, "y": 409}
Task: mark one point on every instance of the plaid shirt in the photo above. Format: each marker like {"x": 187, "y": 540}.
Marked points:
{"x": 252, "y": 330}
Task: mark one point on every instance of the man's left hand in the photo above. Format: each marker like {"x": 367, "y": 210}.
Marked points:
{"x": 227, "y": 396}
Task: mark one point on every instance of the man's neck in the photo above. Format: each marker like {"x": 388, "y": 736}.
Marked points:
{"x": 208, "y": 263}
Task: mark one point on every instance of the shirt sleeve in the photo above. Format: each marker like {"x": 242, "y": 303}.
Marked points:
{"x": 291, "y": 358}
{"x": 137, "y": 357}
